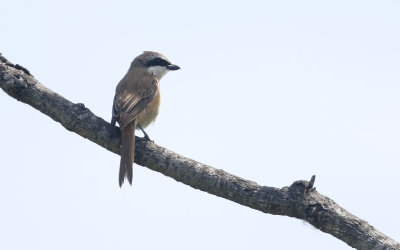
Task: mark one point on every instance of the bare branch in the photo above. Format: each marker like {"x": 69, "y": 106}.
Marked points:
{"x": 299, "y": 200}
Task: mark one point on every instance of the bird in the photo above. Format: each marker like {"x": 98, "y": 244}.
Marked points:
{"x": 137, "y": 102}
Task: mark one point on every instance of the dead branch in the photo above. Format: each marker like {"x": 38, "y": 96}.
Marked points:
{"x": 299, "y": 200}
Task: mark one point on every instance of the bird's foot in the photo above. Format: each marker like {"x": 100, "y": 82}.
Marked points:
{"x": 147, "y": 138}
{"x": 114, "y": 131}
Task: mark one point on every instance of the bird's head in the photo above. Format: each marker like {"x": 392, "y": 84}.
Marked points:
{"x": 155, "y": 63}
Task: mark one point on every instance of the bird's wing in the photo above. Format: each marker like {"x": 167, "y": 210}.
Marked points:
{"x": 128, "y": 105}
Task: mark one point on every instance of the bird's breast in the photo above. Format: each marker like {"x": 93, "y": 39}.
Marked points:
{"x": 150, "y": 112}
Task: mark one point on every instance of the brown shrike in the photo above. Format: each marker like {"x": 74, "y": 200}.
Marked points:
{"x": 136, "y": 103}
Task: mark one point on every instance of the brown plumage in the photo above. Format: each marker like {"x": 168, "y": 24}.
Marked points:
{"x": 136, "y": 103}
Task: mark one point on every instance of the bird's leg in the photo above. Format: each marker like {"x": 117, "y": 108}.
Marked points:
{"x": 146, "y": 136}
{"x": 113, "y": 130}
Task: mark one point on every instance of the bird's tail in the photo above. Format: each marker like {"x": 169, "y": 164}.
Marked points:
{"x": 127, "y": 152}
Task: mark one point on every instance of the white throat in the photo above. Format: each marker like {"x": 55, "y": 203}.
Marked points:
{"x": 157, "y": 71}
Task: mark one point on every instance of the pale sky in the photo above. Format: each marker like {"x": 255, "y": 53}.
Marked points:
{"x": 272, "y": 91}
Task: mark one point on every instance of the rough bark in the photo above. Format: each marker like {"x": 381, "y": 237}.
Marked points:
{"x": 299, "y": 200}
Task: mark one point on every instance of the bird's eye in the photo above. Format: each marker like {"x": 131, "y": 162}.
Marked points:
{"x": 157, "y": 62}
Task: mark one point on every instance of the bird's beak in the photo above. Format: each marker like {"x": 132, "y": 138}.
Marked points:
{"x": 173, "y": 67}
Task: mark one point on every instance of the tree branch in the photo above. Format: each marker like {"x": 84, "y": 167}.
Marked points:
{"x": 299, "y": 200}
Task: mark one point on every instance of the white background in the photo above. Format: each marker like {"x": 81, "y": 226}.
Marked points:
{"x": 272, "y": 91}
